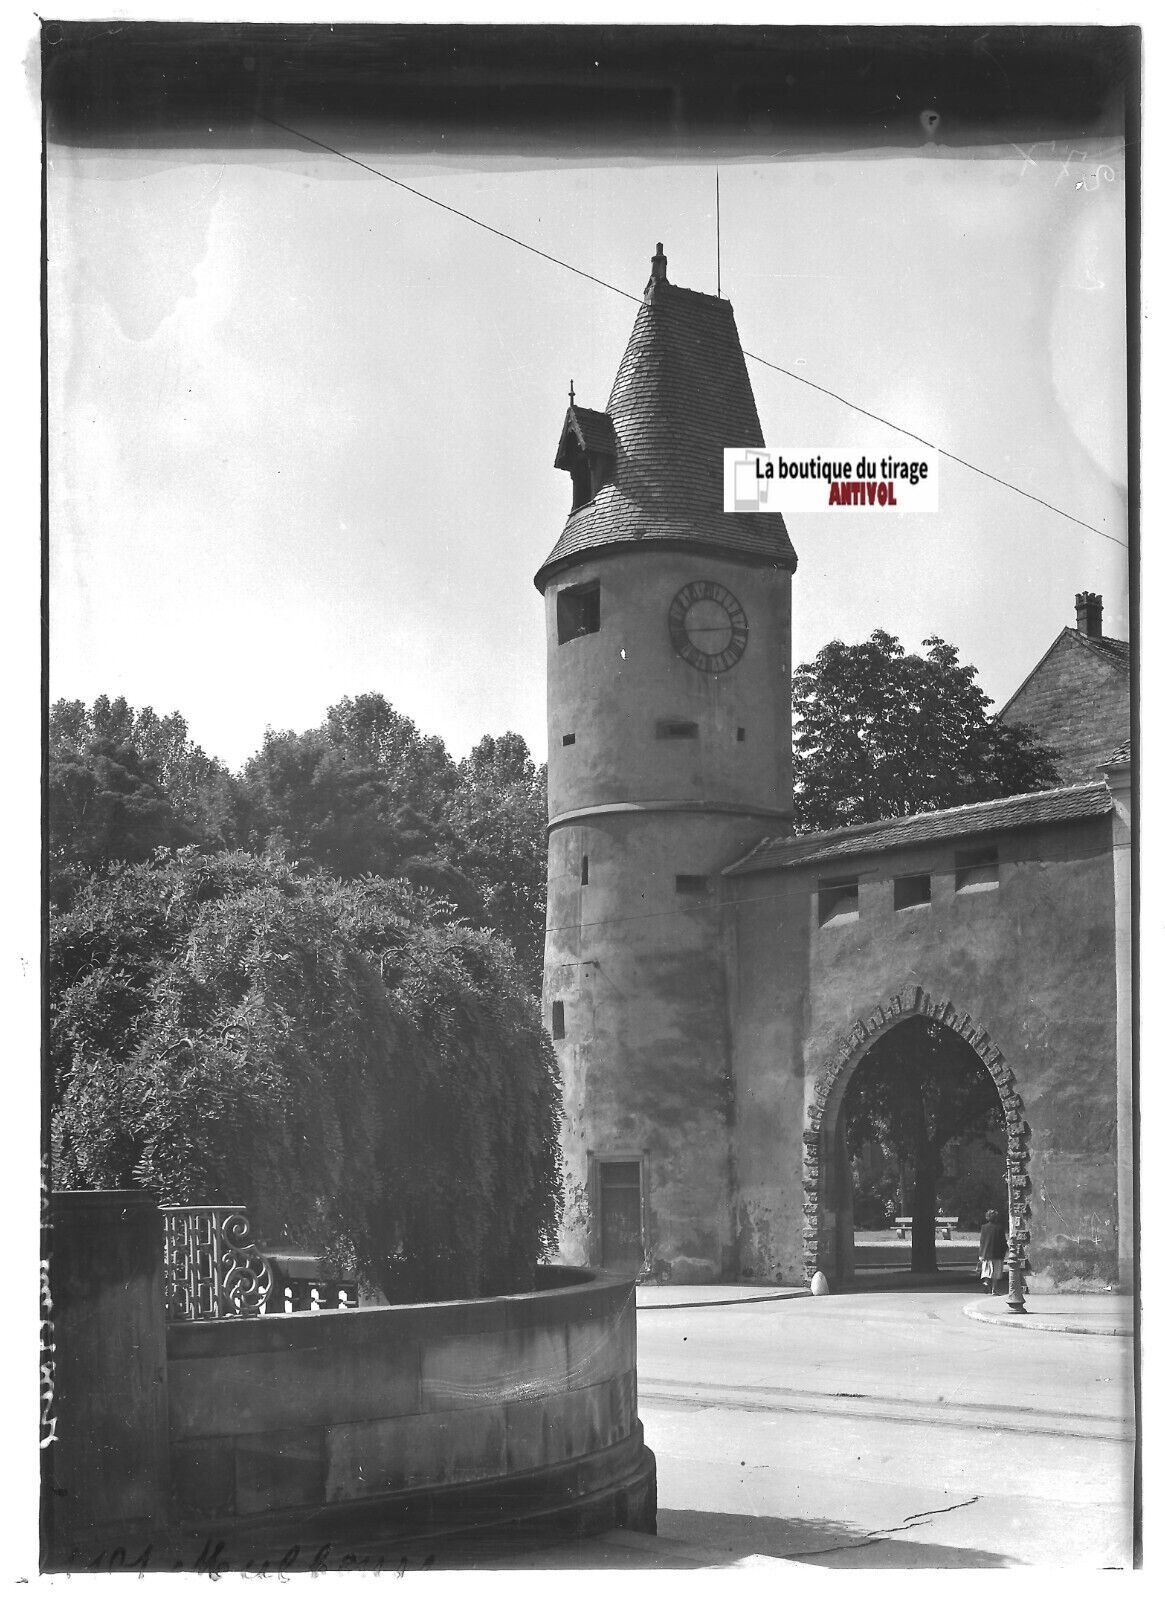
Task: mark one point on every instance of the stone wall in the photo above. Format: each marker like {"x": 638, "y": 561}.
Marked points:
{"x": 633, "y": 991}
{"x": 1027, "y": 967}
{"x": 233, "y": 1441}
{"x": 380, "y": 1409}
{"x": 105, "y": 1470}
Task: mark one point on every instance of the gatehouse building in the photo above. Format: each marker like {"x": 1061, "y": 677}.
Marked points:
{"x": 713, "y": 981}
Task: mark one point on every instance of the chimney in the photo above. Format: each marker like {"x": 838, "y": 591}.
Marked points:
{"x": 658, "y": 273}
{"x": 1088, "y": 612}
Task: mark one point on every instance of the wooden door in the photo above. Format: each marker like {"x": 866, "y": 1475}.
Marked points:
{"x": 620, "y": 1213}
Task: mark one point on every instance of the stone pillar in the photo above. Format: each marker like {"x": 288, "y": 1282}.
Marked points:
{"x": 106, "y": 1471}
{"x": 846, "y": 1260}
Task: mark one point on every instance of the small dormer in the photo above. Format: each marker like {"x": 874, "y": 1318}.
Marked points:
{"x": 586, "y": 449}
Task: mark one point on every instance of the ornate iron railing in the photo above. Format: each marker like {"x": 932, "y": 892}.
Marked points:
{"x": 212, "y": 1268}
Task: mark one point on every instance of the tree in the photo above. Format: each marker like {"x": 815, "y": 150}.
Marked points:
{"x": 363, "y": 793}
{"x": 122, "y": 782}
{"x": 914, "y": 1094}
{"x": 880, "y": 733}
{"x": 498, "y": 817}
{"x": 366, "y": 792}
{"x": 373, "y": 1081}
{"x": 107, "y": 803}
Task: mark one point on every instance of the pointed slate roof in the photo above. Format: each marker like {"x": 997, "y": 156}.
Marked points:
{"x": 592, "y": 429}
{"x": 681, "y": 396}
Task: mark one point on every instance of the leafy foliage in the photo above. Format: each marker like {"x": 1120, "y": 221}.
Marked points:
{"x": 916, "y": 1092}
{"x": 368, "y": 793}
{"x": 121, "y": 783}
{"x": 498, "y": 814}
{"x": 340, "y": 811}
{"x": 880, "y": 733}
{"x": 373, "y": 1081}
{"x": 364, "y": 793}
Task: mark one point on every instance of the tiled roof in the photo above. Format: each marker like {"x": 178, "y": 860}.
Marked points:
{"x": 1121, "y": 756}
{"x": 1116, "y": 650}
{"x": 594, "y": 428}
{"x": 928, "y": 827}
{"x": 681, "y": 396}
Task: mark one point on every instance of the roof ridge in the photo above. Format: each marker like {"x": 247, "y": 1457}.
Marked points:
{"x": 683, "y": 288}
{"x": 946, "y": 811}
{"x": 804, "y": 848}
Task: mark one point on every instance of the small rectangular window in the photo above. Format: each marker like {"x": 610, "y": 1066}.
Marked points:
{"x": 669, "y": 729}
{"x": 578, "y": 611}
{"x": 568, "y": 738}
{"x": 689, "y": 883}
{"x": 585, "y": 875}
{"x": 557, "y": 1019}
{"x": 976, "y": 870}
{"x": 740, "y": 735}
{"x": 912, "y": 891}
{"x": 837, "y": 900}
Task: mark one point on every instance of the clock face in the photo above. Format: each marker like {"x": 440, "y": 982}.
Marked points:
{"x": 707, "y": 625}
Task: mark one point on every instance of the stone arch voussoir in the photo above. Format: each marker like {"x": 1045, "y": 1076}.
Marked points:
{"x": 830, "y": 1084}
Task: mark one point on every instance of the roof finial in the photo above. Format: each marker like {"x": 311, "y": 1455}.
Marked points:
{"x": 572, "y": 391}
{"x": 658, "y": 272}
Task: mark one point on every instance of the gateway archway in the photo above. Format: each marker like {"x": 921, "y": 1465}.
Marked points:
{"x": 827, "y": 1085}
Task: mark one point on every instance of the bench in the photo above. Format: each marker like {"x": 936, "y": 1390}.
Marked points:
{"x": 945, "y": 1224}
{"x": 299, "y": 1283}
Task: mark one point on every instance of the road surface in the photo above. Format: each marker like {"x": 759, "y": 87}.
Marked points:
{"x": 887, "y": 1429}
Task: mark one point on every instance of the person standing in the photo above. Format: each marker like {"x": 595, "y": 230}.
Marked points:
{"x": 992, "y": 1250}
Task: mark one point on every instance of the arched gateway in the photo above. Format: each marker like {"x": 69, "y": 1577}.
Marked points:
{"x": 827, "y": 1086}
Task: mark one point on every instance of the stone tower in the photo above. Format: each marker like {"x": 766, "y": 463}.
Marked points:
{"x": 669, "y": 755}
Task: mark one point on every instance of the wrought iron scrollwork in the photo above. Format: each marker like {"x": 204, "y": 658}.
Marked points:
{"x": 212, "y": 1268}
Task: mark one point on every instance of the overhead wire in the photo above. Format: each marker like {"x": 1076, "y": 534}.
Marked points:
{"x": 751, "y": 355}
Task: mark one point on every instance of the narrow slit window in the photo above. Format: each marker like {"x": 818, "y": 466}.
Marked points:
{"x": 578, "y": 611}
{"x": 976, "y": 870}
{"x": 585, "y": 875}
{"x": 912, "y": 890}
{"x": 567, "y": 738}
{"x": 690, "y": 883}
{"x": 740, "y": 735}
{"x": 668, "y": 728}
{"x": 557, "y": 1019}
{"x": 837, "y": 900}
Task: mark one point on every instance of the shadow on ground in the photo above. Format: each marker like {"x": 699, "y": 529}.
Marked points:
{"x": 816, "y": 1542}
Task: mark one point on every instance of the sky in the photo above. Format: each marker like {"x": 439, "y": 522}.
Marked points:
{"x": 303, "y": 424}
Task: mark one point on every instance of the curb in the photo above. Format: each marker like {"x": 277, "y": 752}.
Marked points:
{"x": 700, "y": 1305}
{"x": 1041, "y": 1324}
